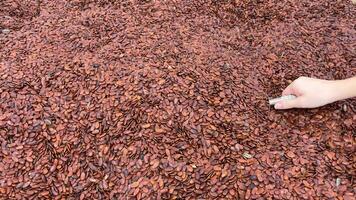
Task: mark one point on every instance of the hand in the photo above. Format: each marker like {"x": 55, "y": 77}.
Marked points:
{"x": 310, "y": 92}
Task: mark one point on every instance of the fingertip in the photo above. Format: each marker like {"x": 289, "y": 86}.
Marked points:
{"x": 288, "y": 104}
{"x": 278, "y": 106}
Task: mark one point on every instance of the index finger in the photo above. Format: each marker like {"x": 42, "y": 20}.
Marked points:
{"x": 288, "y": 90}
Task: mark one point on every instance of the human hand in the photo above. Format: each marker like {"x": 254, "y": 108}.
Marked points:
{"x": 310, "y": 93}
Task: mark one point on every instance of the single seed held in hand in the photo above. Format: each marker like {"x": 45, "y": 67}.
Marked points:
{"x": 282, "y": 98}
{"x": 5, "y": 31}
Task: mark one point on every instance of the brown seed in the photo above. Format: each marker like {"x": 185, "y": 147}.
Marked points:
{"x": 159, "y": 130}
{"x": 290, "y": 154}
{"x": 135, "y": 184}
{"x": 53, "y": 167}
{"x": 106, "y": 150}
{"x": 29, "y": 159}
{"x": 93, "y": 180}
{"x": 154, "y": 164}
{"x": 224, "y": 173}
{"x": 82, "y": 196}
{"x": 160, "y": 182}
{"x": 82, "y": 176}
{"x": 190, "y": 168}
{"x": 238, "y": 147}
{"x": 161, "y": 81}
{"x": 146, "y": 125}
{"x": 216, "y": 149}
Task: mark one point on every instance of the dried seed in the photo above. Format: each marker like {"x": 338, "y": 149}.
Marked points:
{"x": 160, "y": 182}
{"x": 146, "y": 125}
{"x": 135, "y": 184}
{"x": 82, "y": 176}
{"x": 238, "y": 147}
{"x": 251, "y": 186}
{"x": 159, "y": 130}
{"x": 224, "y": 173}
{"x": 93, "y": 180}
{"x": 154, "y": 164}
{"x": 96, "y": 65}
{"x": 290, "y": 154}
{"x": 253, "y": 177}
{"x": 161, "y": 81}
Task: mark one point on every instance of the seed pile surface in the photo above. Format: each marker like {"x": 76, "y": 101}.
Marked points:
{"x": 105, "y": 99}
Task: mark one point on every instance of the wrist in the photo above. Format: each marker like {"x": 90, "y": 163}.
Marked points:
{"x": 343, "y": 89}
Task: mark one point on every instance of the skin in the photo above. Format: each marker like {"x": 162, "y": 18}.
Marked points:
{"x": 313, "y": 93}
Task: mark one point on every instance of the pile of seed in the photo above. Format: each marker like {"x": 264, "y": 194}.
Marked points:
{"x": 143, "y": 99}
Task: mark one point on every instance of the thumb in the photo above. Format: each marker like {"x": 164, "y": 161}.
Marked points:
{"x": 287, "y": 104}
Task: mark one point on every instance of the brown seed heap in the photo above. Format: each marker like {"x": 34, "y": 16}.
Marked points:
{"x": 105, "y": 99}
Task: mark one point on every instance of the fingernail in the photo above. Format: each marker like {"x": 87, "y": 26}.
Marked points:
{"x": 278, "y": 106}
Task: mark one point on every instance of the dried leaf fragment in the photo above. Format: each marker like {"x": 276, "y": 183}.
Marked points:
{"x": 338, "y": 182}
{"x": 246, "y": 155}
